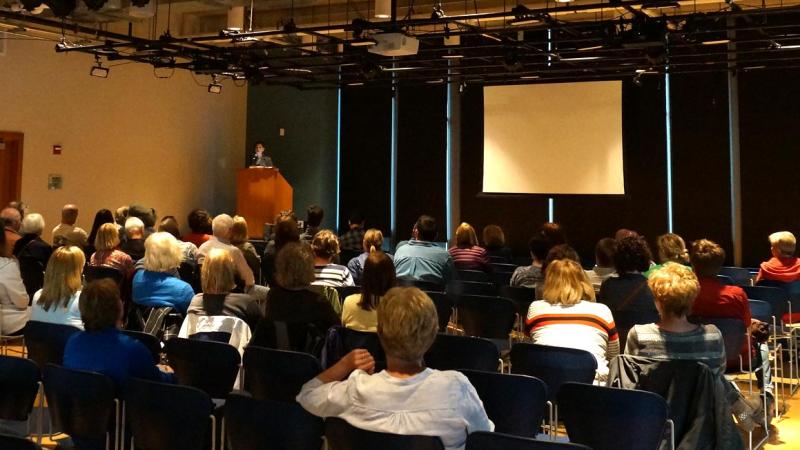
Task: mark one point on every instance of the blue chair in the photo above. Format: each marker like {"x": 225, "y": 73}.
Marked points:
{"x": 734, "y": 334}
{"x": 444, "y": 308}
{"x": 19, "y": 384}
{"x": 46, "y": 341}
{"x": 605, "y": 418}
{"x": 343, "y": 436}
{"x": 504, "y": 267}
{"x": 777, "y": 298}
{"x": 346, "y": 291}
{"x": 625, "y": 320}
{"x": 488, "y": 317}
{"x": 421, "y": 284}
{"x": 553, "y": 365}
{"x": 277, "y": 375}
{"x": 17, "y": 443}
{"x": 484, "y": 440}
{"x": 458, "y": 288}
{"x": 151, "y": 342}
{"x": 252, "y": 424}
{"x": 726, "y": 280}
{"x": 340, "y": 341}
{"x": 515, "y": 403}
{"x": 740, "y": 275}
{"x": 92, "y": 273}
{"x": 209, "y": 366}
{"x": 761, "y": 310}
{"x": 477, "y": 276}
{"x": 501, "y": 279}
{"x": 452, "y": 352}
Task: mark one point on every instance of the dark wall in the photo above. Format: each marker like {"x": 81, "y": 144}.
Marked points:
{"x": 306, "y": 154}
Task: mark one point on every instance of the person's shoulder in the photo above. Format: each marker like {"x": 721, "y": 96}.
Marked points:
{"x": 710, "y": 329}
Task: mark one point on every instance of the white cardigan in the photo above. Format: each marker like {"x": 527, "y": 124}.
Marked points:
{"x": 14, "y": 310}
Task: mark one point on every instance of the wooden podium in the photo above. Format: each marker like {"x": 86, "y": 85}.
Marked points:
{"x": 261, "y": 193}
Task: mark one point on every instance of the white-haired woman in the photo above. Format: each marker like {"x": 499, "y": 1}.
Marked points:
{"x": 31, "y": 243}
{"x": 156, "y": 285}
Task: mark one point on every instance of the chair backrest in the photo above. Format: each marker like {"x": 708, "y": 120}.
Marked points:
{"x": 484, "y": 440}
{"x": 761, "y": 310}
{"x": 515, "y": 403}
{"x": 31, "y": 270}
{"x": 504, "y": 267}
{"x": 346, "y": 291}
{"x": 167, "y": 416}
{"x": 458, "y": 287}
{"x": 521, "y": 296}
{"x": 17, "y": 443}
{"x": 444, "y": 307}
{"x": 740, "y": 275}
{"x": 625, "y": 320}
{"x": 553, "y": 365}
{"x": 489, "y": 317}
{"x": 19, "y": 384}
{"x": 502, "y": 278}
{"x": 421, "y": 284}
{"x": 452, "y": 352}
{"x": 46, "y": 341}
{"x": 343, "y": 436}
{"x": 81, "y": 404}
{"x": 473, "y": 275}
{"x": 348, "y": 340}
{"x": 607, "y": 418}
{"x": 209, "y": 366}
{"x": 726, "y": 280}
{"x": 733, "y": 336}
{"x": 92, "y": 273}
{"x": 777, "y": 298}
{"x": 252, "y": 424}
{"x": 188, "y": 272}
{"x": 151, "y": 342}
{"x": 278, "y": 375}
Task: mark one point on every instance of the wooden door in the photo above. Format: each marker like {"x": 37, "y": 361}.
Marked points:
{"x": 10, "y": 166}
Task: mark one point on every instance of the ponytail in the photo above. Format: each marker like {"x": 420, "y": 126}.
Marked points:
{"x": 372, "y": 249}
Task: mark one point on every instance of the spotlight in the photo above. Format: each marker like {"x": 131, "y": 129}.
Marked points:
{"x": 61, "y": 8}
{"x": 214, "y": 87}
{"x": 97, "y": 69}
{"x": 524, "y": 16}
{"x": 30, "y": 5}
{"x": 511, "y": 61}
{"x": 637, "y": 79}
{"x": 438, "y": 12}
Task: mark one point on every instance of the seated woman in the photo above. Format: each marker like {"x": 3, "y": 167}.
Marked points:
{"x": 671, "y": 248}
{"x": 14, "y": 311}
{"x": 239, "y": 239}
{"x": 188, "y": 249}
{"x": 531, "y": 276}
{"x": 156, "y": 285}
{"x": 628, "y": 291}
{"x": 107, "y": 253}
{"x": 466, "y": 254}
{"x": 218, "y": 280}
{"x": 372, "y": 242}
{"x": 407, "y": 397}
{"x": 569, "y": 317}
{"x": 31, "y": 243}
{"x": 603, "y": 262}
{"x": 100, "y": 217}
{"x": 200, "y": 225}
{"x": 57, "y": 301}
{"x": 326, "y": 248}
{"x": 494, "y": 241}
{"x": 359, "y": 311}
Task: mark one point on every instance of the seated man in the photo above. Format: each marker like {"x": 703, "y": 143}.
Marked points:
{"x": 783, "y": 266}
{"x": 221, "y": 228}
{"x": 352, "y": 239}
{"x": 421, "y": 259}
{"x": 69, "y": 215}
{"x": 531, "y": 276}
{"x": 314, "y": 215}
{"x": 11, "y": 224}
{"x": 134, "y": 244}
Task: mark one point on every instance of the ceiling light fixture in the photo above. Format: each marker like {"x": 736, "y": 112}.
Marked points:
{"x": 716, "y": 42}
{"x": 363, "y": 42}
{"x": 580, "y": 58}
{"x": 452, "y": 56}
{"x": 383, "y": 9}
{"x": 589, "y": 48}
{"x": 524, "y": 16}
{"x": 788, "y": 47}
{"x": 356, "y": 83}
{"x": 529, "y": 77}
{"x": 399, "y": 69}
{"x": 215, "y": 87}
{"x": 297, "y": 70}
{"x": 492, "y": 37}
{"x": 97, "y": 69}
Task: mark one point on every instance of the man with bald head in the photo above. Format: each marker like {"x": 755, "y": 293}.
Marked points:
{"x": 11, "y": 221}
{"x": 69, "y": 215}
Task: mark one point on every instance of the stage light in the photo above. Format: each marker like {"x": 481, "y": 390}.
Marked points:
{"x": 524, "y": 16}
{"x": 61, "y": 8}
{"x": 214, "y": 87}
{"x": 98, "y": 70}
{"x": 438, "y": 12}
{"x": 94, "y": 5}
{"x": 383, "y": 9}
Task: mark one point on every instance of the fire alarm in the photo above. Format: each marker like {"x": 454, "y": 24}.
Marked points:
{"x": 56, "y": 149}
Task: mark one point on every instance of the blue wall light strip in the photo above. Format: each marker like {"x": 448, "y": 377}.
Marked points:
{"x": 393, "y": 174}
{"x": 668, "y": 117}
{"x": 338, "y": 153}
{"x": 449, "y": 167}
{"x": 551, "y": 216}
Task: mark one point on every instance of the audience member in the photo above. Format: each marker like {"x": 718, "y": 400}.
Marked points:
{"x": 31, "y": 245}
{"x": 603, "y": 262}
{"x": 326, "y": 249}
{"x": 218, "y": 280}
{"x": 560, "y": 251}
{"x": 554, "y": 232}
{"x": 170, "y": 225}
{"x": 531, "y": 276}
{"x": 407, "y": 397}
{"x": 286, "y": 230}
{"x": 14, "y": 311}
{"x": 622, "y": 233}
{"x": 221, "y": 227}
{"x": 494, "y": 241}
{"x": 156, "y": 286}
{"x": 421, "y": 259}
{"x": 352, "y": 239}
{"x": 134, "y": 244}
{"x": 783, "y": 266}
{"x": 57, "y": 301}
{"x": 671, "y": 248}
{"x": 359, "y": 311}
{"x": 569, "y": 317}
{"x": 11, "y": 222}
{"x": 22, "y": 208}
{"x": 69, "y": 215}
{"x": 102, "y": 216}
{"x": 200, "y": 224}
{"x": 373, "y": 242}
{"x": 314, "y": 215}
{"x": 108, "y": 254}
{"x": 120, "y": 216}
{"x": 239, "y": 239}
{"x": 146, "y": 215}
{"x": 628, "y": 291}
{"x": 467, "y": 254}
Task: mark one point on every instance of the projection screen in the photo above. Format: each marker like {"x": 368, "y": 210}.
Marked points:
{"x": 562, "y": 138}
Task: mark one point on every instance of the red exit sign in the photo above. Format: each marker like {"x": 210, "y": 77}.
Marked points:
{"x": 56, "y": 149}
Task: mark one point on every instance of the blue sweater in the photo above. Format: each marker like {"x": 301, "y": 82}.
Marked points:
{"x": 158, "y": 289}
{"x": 113, "y": 354}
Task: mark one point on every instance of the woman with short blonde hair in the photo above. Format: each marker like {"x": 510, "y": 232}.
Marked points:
{"x": 158, "y": 285}
{"x": 466, "y": 254}
{"x": 58, "y": 300}
{"x": 107, "y": 254}
{"x": 672, "y": 248}
{"x": 326, "y": 248}
{"x": 569, "y": 317}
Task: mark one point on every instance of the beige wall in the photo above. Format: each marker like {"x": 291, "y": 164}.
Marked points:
{"x": 130, "y": 138}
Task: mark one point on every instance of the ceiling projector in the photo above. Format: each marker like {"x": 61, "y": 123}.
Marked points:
{"x": 394, "y": 44}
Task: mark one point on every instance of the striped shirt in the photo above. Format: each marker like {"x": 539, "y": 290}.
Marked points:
{"x": 585, "y": 326}
{"x": 472, "y": 258}
{"x": 332, "y": 275}
{"x": 703, "y": 344}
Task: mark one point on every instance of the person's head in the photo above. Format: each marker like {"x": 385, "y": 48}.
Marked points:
{"x": 218, "y": 273}
{"x": 3, "y": 244}
{"x": 314, "y": 215}
{"x": 169, "y": 224}
{"x": 11, "y": 218}
{"x": 671, "y": 248}
{"x": 407, "y": 323}
{"x": 378, "y": 277}
{"x": 100, "y": 305}
{"x": 134, "y": 228}
{"x": 425, "y": 228}
{"x": 566, "y": 283}
{"x": 294, "y": 266}
{"x": 707, "y": 257}
{"x": 554, "y": 232}
{"x": 561, "y": 251}
{"x": 465, "y": 236}
{"x": 148, "y": 215}
{"x": 120, "y": 215}
{"x": 162, "y": 253}
{"x": 623, "y": 233}
{"x": 373, "y": 240}
{"x": 604, "y": 252}
{"x": 325, "y": 245}
{"x": 493, "y": 236}
{"x": 539, "y": 246}
{"x": 356, "y": 220}
{"x": 199, "y": 221}
{"x": 286, "y": 230}
{"x": 62, "y": 277}
{"x": 69, "y": 214}
{"x": 674, "y": 287}
{"x": 33, "y": 223}
{"x": 239, "y": 233}
{"x": 19, "y": 206}
{"x": 632, "y": 255}
{"x": 221, "y": 227}
{"x": 100, "y": 217}
{"x": 783, "y": 244}
{"x": 259, "y": 147}
{"x": 107, "y": 238}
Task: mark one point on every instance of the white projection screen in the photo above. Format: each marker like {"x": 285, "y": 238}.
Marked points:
{"x": 562, "y": 138}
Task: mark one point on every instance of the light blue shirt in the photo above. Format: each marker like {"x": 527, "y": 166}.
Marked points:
{"x": 71, "y": 315}
{"x": 425, "y": 261}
